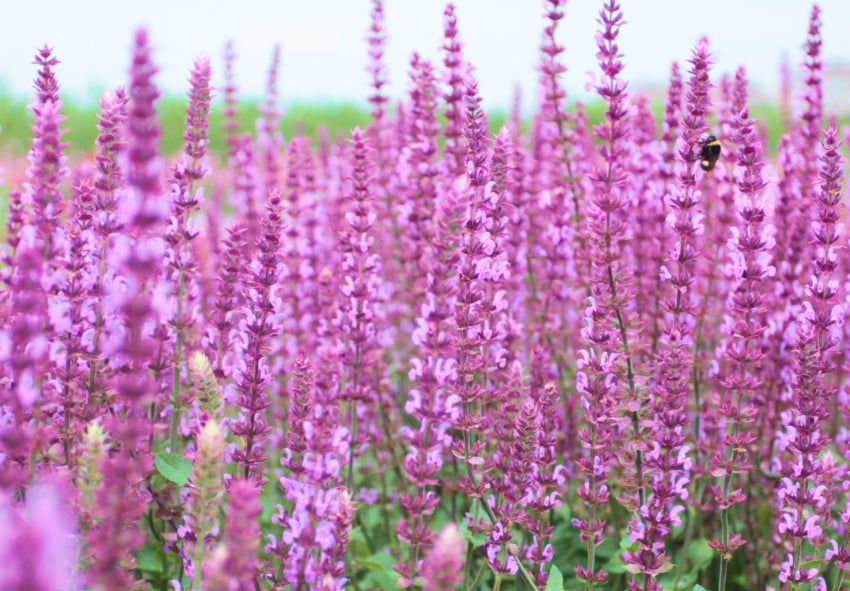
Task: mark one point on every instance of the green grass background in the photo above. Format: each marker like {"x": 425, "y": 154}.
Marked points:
{"x": 81, "y": 122}
{"x": 300, "y": 118}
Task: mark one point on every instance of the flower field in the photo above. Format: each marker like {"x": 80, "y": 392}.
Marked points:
{"x": 561, "y": 356}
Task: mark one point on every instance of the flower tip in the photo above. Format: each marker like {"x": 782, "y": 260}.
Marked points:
{"x": 141, "y": 37}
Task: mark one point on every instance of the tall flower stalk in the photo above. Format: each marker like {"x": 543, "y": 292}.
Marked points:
{"x": 186, "y": 201}
{"x": 315, "y": 535}
{"x": 259, "y": 326}
{"x": 108, "y": 222}
{"x": 455, "y": 78}
{"x": 360, "y": 288}
{"x": 741, "y": 380}
{"x": 673, "y": 362}
{"x": 141, "y": 265}
{"x": 804, "y": 489}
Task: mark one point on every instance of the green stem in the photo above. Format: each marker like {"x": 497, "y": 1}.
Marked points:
{"x": 352, "y": 427}
{"x": 497, "y": 583}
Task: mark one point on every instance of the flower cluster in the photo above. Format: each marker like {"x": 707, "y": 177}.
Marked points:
{"x": 601, "y": 347}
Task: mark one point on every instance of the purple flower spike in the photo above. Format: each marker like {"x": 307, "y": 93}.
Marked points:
{"x": 360, "y": 310}
{"x": 197, "y": 119}
{"x": 143, "y": 259}
{"x": 315, "y": 530}
{"x": 456, "y": 82}
{"x": 813, "y": 97}
{"x": 697, "y": 101}
{"x": 143, "y": 154}
{"x": 231, "y": 103}
{"x": 672, "y": 110}
{"x": 269, "y": 138}
{"x": 38, "y": 541}
{"x": 377, "y": 40}
{"x": 47, "y": 169}
{"x": 740, "y": 379}
{"x": 260, "y": 325}
{"x": 806, "y": 478}
{"x": 46, "y": 85}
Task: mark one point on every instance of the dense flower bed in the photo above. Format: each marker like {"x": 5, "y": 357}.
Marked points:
{"x": 563, "y": 356}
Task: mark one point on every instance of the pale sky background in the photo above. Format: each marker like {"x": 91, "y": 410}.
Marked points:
{"x": 324, "y": 52}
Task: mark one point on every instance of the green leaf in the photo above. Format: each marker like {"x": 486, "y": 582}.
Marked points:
{"x": 615, "y": 565}
{"x": 812, "y": 564}
{"x": 667, "y": 566}
{"x": 150, "y": 561}
{"x": 699, "y": 588}
{"x": 371, "y": 517}
{"x": 556, "y": 580}
{"x": 684, "y": 580}
{"x": 700, "y": 553}
{"x": 378, "y": 562}
{"x": 475, "y": 539}
{"x": 379, "y": 571}
{"x": 173, "y": 467}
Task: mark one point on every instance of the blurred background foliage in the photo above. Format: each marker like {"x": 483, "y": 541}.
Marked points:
{"x": 299, "y": 118}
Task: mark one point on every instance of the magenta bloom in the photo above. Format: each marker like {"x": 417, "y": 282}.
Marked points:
{"x": 38, "y": 541}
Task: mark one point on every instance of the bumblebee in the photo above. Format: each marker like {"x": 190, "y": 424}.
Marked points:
{"x": 709, "y": 153}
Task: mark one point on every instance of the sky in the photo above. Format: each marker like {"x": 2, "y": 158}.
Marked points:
{"x": 324, "y": 52}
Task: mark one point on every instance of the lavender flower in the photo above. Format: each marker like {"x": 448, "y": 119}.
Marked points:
{"x": 141, "y": 263}
{"x": 430, "y": 402}
{"x": 361, "y": 297}
{"x": 376, "y": 69}
{"x": 315, "y": 529}
{"x": 38, "y": 541}
{"x": 803, "y": 491}
{"x": 741, "y": 382}
{"x": 181, "y": 264}
{"x": 230, "y": 111}
{"x": 672, "y": 108}
{"x": 471, "y": 333}
{"x": 47, "y": 171}
{"x": 456, "y": 81}
{"x": 108, "y": 222}
{"x": 269, "y": 138}
{"x": 228, "y": 302}
{"x": 75, "y": 293}
{"x": 259, "y": 326}
{"x": 46, "y": 85}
